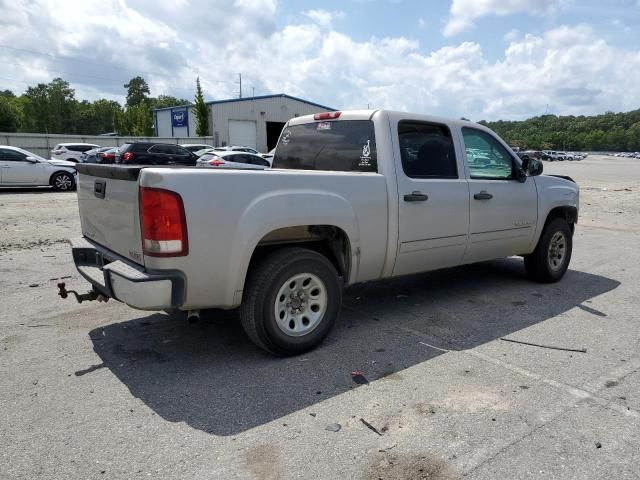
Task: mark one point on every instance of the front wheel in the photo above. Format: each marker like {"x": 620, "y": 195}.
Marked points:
{"x": 291, "y": 300}
{"x": 550, "y": 260}
{"x": 63, "y": 182}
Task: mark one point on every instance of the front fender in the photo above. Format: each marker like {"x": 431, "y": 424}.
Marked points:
{"x": 288, "y": 208}
{"x": 553, "y": 192}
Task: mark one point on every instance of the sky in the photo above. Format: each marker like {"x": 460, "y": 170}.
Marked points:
{"x": 479, "y": 59}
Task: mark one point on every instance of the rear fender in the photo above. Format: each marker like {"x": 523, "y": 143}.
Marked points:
{"x": 281, "y": 209}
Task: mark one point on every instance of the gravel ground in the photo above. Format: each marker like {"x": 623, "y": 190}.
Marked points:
{"x": 104, "y": 391}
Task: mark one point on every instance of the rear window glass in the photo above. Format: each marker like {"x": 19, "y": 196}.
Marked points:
{"x": 344, "y": 146}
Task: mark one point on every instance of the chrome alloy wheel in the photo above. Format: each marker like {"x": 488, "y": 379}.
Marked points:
{"x": 63, "y": 182}
{"x": 557, "y": 251}
{"x": 300, "y": 304}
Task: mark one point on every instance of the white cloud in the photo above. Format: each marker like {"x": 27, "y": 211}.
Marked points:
{"x": 571, "y": 68}
{"x": 512, "y": 35}
{"x": 464, "y": 13}
{"x": 323, "y": 18}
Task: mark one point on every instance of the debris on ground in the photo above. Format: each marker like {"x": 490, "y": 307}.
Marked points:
{"x": 333, "y": 427}
{"x": 580, "y": 350}
{"x": 370, "y": 427}
{"x": 359, "y": 378}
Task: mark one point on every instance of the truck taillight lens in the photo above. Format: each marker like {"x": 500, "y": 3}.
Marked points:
{"x": 127, "y": 156}
{"x": 163, "y": 223}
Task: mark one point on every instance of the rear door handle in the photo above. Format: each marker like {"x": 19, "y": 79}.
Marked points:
{"x": 483, "y": 195}
{"x": 416, "y": 197}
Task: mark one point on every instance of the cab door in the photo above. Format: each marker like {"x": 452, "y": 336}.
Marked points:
{"x": 433, "y": 203}
{"x": 503, "y": 210}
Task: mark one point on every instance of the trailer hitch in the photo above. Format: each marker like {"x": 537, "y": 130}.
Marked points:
{"x": 82, "y": 297}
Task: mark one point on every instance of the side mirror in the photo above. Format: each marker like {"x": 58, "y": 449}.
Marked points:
{"x": 533, "y": 167}
{"x": 31, "y": 159}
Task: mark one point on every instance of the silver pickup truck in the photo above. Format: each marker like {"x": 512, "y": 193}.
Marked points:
{"x": 352, "y": 197}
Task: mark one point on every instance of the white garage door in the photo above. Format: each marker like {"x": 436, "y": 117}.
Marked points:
{"x": 242, "y": 132}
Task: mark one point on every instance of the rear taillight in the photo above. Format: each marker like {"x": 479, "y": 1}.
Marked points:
{"x": 216, "y": 163}
{"x": 163, "y": 223}
{"x": 327, "y": 115}
{"x": 127, "y": 156}
{"x": 106, "y": 155}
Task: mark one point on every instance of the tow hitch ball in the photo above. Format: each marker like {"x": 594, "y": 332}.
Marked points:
{"x": 81, "y": 297}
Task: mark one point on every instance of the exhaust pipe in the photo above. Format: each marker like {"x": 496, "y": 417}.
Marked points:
{"x": 193, "y": 316}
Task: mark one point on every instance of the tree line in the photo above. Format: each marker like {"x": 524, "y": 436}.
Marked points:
{"x": 53, "y": 108}
{"x": 610, "y": 131}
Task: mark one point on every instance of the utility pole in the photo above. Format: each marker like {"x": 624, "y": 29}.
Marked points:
{"x": 240, "y": 82}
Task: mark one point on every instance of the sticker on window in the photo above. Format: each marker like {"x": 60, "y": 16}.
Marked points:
{"x": 286, "y": 137}
{"x": 324, "y": 126}
{"x": 365, "y": 159}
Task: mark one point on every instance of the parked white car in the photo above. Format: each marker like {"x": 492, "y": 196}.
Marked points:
{"x": 21, "y": 168}
{"x": 236, "y": 148}
{"x": 231, "y": 159}
{"x": 194, "y": 147}
{"x": 71, "y": 151}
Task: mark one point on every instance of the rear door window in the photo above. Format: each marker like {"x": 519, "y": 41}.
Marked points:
{"x": 426, "y": 150}
{"x": 12, "y": 156}
{"x": 163, "y": 149}
{"x": 343, "y": 146}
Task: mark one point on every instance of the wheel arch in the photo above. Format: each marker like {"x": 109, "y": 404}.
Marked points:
{"x": 566, "y": 212}
{"x": 331, "y": 241}
{"x": 57, "y": 172}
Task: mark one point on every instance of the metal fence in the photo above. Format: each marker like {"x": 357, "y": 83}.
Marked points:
{"x": 42, "y": 144}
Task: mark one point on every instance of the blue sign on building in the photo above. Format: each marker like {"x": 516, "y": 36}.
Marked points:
{"x": 179, "y": 118}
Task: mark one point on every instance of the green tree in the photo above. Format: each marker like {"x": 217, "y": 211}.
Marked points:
{"x": 164, "y": 101}
{"x": 137, "y": 91}
{"x": 35, "y": 108}
{"x": 201, "y": 111}
{"x": 9, "y": 120}
{"x": 61, "y": 98}
{"x": 134, "y": 121}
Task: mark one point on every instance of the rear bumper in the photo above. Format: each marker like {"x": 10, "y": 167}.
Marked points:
{"x": 118, "y": 278}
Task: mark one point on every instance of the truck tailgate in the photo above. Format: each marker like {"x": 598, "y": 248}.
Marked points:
{"x": 108, "y": 204}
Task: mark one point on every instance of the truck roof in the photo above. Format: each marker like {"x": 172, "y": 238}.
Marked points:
{"x": 368, "y": 115}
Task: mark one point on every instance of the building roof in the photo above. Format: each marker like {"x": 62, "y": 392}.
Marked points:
{"x": 245, "y": 99}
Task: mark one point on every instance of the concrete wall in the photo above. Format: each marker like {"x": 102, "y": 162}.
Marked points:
{"x": 42, "y": 144}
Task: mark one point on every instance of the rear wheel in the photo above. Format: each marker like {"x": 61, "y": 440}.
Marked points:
{"x": 63, "y": 182}
{"x": 550, "y": 260}
{"x": 291, "y": 300}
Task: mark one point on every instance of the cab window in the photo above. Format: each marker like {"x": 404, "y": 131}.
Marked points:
{"x": 426, "y": 150}
{"x": 487, "y": 158}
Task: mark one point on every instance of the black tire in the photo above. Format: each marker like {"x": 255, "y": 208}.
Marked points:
{"x": 263, "y": 284}
{"x": 63, "y": 182}
{"x": 545, "y": 265}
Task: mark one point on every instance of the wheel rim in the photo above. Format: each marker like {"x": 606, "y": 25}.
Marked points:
{"x": 300, "y": 304}
{"x": 63, "y": 182}
{"x": 557, "y": 251}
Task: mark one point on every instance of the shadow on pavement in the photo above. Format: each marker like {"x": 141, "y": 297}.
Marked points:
{"x": 211, "y": 377}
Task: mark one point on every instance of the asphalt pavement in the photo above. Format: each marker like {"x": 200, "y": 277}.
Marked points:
{"x": 104, "y": 391}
